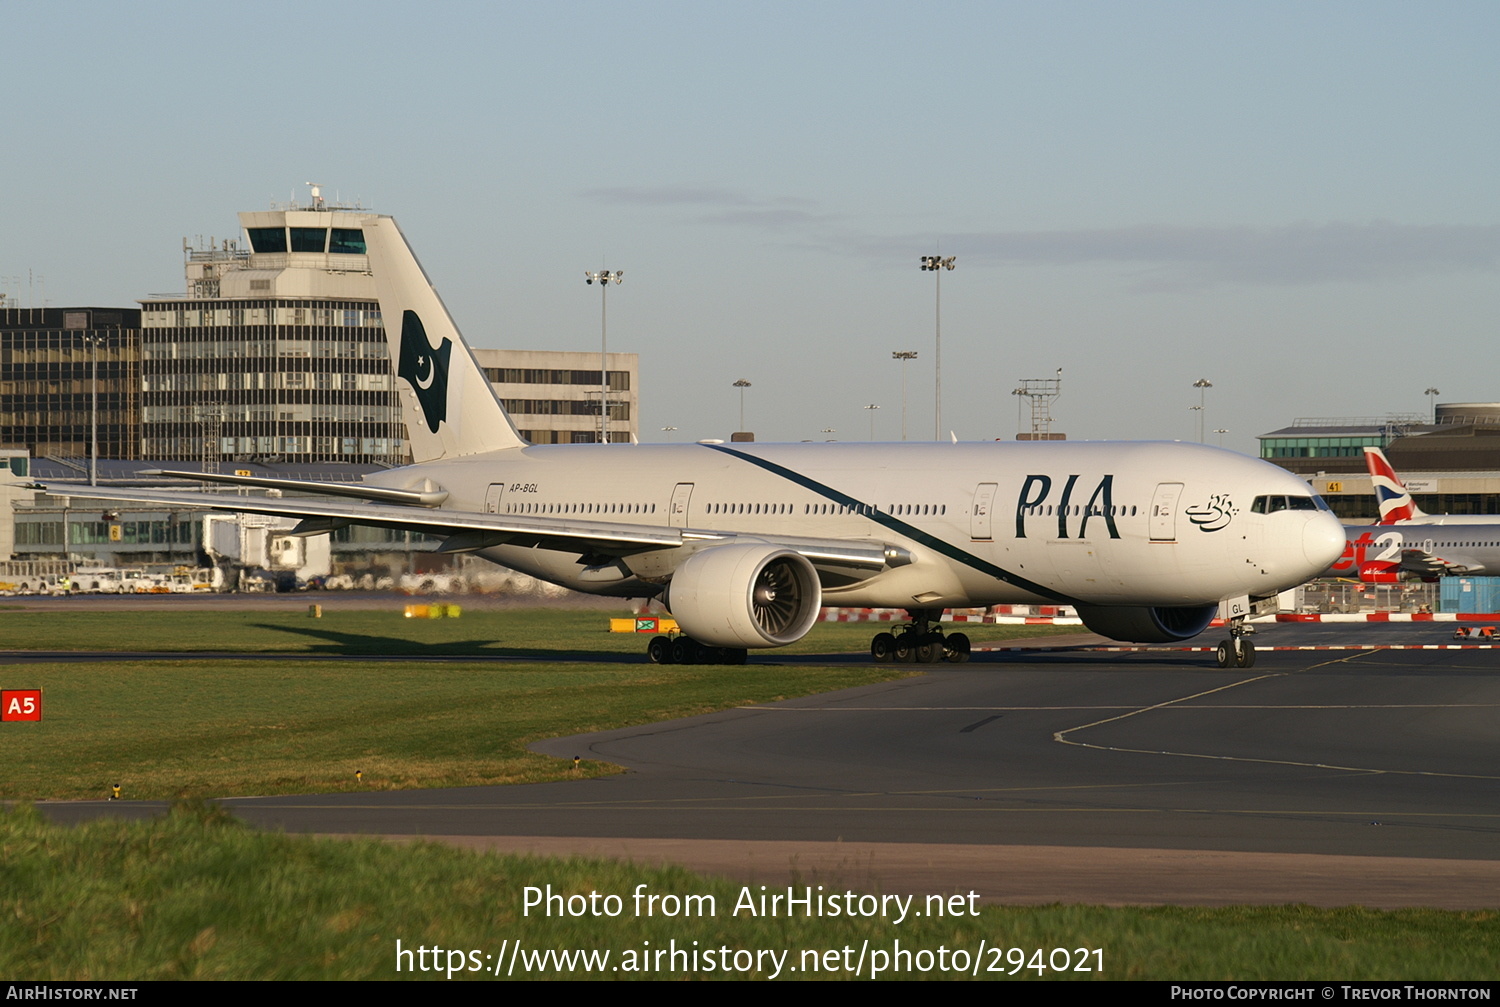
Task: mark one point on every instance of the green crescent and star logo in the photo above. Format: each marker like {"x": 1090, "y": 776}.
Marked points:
{"x": 426, "y": 367}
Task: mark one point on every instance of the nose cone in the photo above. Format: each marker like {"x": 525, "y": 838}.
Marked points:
{"x": 1322, "y": 541}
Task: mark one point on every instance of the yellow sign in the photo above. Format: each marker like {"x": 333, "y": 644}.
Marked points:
{"x": 1334, "y": 488}
{"x": 115, "y": 533}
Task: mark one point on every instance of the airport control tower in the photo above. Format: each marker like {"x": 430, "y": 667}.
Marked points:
{"x": 276, "y": 352}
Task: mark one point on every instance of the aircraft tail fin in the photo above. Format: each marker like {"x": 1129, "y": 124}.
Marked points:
{"x": 450, "y": 408}
{"x": 1395, "y": 501}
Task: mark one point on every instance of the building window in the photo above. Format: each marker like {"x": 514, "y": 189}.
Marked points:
{"x": 347, "y": 241}
{"x": 309, "y": 239}
{"x": 268, "y": 239}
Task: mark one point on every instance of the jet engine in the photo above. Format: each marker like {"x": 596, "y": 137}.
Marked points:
{"x": 747, "y": 596}
{"x": 1380, "y": 573}
{"x": 1148, "y": 625}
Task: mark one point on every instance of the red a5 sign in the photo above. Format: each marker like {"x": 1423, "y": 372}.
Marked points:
{"x": 20, "y": 704}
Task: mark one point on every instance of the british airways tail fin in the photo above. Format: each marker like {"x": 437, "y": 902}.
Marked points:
{"x": 450, "y": 408}
{"x": 1395, "y": 502}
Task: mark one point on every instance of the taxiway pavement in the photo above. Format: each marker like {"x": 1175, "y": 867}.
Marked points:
{"x": 1357, "y": 776}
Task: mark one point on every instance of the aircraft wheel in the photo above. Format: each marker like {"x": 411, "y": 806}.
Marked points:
{"x": 659, "y": 650}
{"x": 956, "y": 648}
{"x": 883, "y": 648}
{"x": 1226, "y": 654}
{"x": 736, "y": 655}
{"x": 1246, "y": 655}
{"x": 684, "y": 651}
{"x": 930, "y": 651}
{"x": 906, "y": 643}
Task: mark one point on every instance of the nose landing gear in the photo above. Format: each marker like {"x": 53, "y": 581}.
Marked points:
{"x": 922, "y": 641}
{"x": 1238, "y": 651}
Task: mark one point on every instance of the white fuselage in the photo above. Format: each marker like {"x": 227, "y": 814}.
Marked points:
{"x": 1106, "y": 523}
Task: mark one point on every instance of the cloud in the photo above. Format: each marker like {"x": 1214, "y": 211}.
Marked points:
{"x": 685, "y": 195}
{"x": 1292, "y": 254}
{"x": 668, "y": 195}
{"x": 769, "y": 217}
{"x": 1171, "y": 257}
{"x": 1159, "y": 256}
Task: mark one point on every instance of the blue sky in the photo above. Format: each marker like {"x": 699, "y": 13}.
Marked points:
{"x": 1297, "y": 201}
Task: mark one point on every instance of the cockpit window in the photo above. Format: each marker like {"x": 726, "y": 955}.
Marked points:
{"x": 1272, "y": 504}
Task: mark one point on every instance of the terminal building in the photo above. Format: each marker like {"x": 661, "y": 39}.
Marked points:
{"x": 273, "y": 361}
{"x": 49, "y": 361}
{"x": 275, "y": 352}
{"x": 1450, "y": 462}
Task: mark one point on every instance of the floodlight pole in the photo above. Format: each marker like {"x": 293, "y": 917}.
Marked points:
{"x": 903, "y": 356}
{"x": 935, "y": 264}
{"x": 1203, "y": 385}
{"x": 604, "y": 277}
{"x": 93, "y": 343}
{"x": 742, "y": 384}
{"x": 871, "y": 410}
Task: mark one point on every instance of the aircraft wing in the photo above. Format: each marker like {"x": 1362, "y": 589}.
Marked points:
{"x": 466, "y": 531}
{"x": 1428, "y": 564}
{"x": 431, "y": 497}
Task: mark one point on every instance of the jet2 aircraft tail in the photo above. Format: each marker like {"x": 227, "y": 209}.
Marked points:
{"x": 1395, "y": 501}
{"x": 450, "y": 408}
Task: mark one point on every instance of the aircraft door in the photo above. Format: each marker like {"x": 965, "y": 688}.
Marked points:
{"x": 979, "y": 517}
{"x": 492, "y": 498}
{"x": 1164, "y": 512}
{"x": 677, "y": 511}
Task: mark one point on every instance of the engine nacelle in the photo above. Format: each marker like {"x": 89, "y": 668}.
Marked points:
{"x": 1380, "y": 573}
{"x": 745, "y": 596}
{"x": 1148, "y": 625}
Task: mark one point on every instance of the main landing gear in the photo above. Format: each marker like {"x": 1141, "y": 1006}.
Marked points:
{"x": 922, "y": 640}
{"x": 685, "y": 650}
{"x": 1238, "y": 651}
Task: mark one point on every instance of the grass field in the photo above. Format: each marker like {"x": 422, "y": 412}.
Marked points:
{"x": 214, "y": 727}
{"x": 197, "y": 896}
{"x": 553, "y": 633}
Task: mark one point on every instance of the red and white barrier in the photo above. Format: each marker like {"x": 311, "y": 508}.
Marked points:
{"x": 1003, "y": 615}
{"x": 1259, "y": 648}
{"x": 1388, "y": 617}
{"x": 1062, "y": 615}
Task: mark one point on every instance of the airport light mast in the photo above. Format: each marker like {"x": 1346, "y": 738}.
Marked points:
{"x": 903, "y": 356}
{"x": 871, "y": 410}
{"x": 1203, "y": 385}
{"x": 1432, "y": 394}
{"x": 742, "y": 384}
{"x": 92, "y": 342}
{"x": 935, "y": 264}
{"x": 604, "y": 277}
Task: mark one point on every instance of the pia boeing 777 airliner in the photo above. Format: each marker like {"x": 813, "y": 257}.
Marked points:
{"x": 744, "y": 543}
